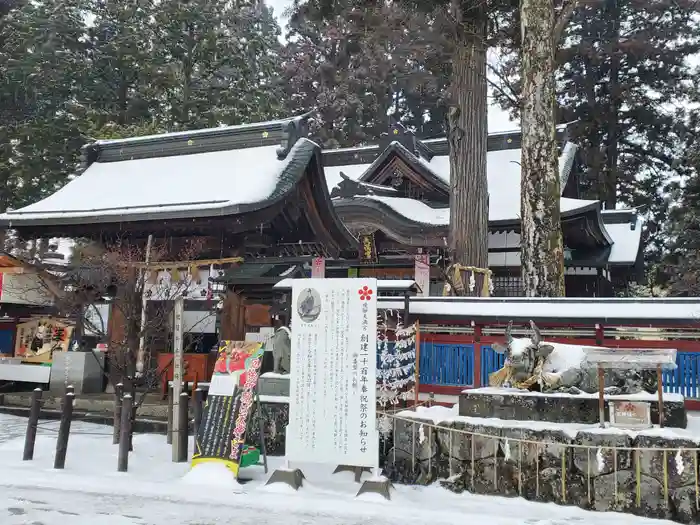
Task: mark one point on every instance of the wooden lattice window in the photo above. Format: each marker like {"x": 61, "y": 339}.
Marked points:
{"x": 508, "y": 286}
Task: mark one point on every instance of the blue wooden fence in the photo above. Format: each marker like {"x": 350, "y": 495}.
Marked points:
{"x": 452, "y": 364}
{"x": 685, "y": 379}
{"x": 446, "y": 364}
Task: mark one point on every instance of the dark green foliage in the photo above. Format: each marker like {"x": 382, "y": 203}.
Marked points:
{"x": 43, "y": 66}
{"x": 354, "y": 61}
{"x": 217, "y": 62}
{"x": 76, "y": 70}
{"x": 683, "y": 261}
{"x": 122, "y": 65}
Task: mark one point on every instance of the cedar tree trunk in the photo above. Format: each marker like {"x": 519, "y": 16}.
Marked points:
{"x": 468, "y": 130}
{"x": 542, "y": 256}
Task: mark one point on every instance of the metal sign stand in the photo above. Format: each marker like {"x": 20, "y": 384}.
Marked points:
{"x": 261, "y": 426}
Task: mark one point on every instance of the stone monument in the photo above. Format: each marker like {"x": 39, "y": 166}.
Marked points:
{"x": 553, "y": 382}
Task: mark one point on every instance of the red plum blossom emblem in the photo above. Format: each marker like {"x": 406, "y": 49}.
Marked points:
{"x": 365, "y": 293}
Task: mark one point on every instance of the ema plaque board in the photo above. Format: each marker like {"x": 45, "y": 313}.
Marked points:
{"x": 229, "y": 404}
{"x": 332, "y": 412}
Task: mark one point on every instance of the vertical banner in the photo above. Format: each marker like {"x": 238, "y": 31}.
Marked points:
{"x": 332, "y": 410}
{"x": 422, "y": 274}
{"x": 229, "y": 405}
{"x": 318, "y": 268}
{"x": 178, "y": 369}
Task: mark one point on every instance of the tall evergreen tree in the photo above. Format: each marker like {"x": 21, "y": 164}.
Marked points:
{"x": 684, "y": 257}
{"x": 623, "y": 77}
{"x": 354, "y": 63}
{"x": 121, "y": 50}
{"x": 217, "y": 62}
{"x": 43, "y": 64}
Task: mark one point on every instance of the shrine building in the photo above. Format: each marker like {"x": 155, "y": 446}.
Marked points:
{"x": 266, "y": 193}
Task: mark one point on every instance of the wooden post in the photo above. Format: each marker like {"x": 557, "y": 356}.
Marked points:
{"x": 660, "y": 390}
{"x": 32, "y": 424}
{"x": 125, "y": 431}
{"x": 118, "y": 393}
{"x": 406, "y": 308}
{"x": 64, "y": 432}
{"x": 170, "y": 414}
{"x": 198, "y": 410}
{"x": 601, "y": 395}
{"x": 144, "y": 306}
{"x": 183, "y": 428}
{"x": 417, "y": 379}
{"x": 178, "y": 368}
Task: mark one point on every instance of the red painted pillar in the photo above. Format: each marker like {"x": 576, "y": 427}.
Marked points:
{"x": 599, "y": 334}
{"x": 477, "y": 356}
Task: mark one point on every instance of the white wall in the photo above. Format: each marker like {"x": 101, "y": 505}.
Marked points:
{"x": 197, "y": 322}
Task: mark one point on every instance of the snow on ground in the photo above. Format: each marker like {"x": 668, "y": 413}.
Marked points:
{"x": 156, "y": 491}
{"x": 440, "y": 414}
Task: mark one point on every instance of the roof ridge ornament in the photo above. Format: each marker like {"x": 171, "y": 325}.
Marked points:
{"x": 292, "y": 130}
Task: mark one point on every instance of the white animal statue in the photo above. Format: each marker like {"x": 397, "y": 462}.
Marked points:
{"x": 533, "y": 364}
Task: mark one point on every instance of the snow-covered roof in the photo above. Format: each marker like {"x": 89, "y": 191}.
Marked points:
{"x": 382, "y": 284}
{"x": 194, "y": 133}
{"x": 420, "y": 212}
{"x": 210, "y": 183}
{"x": 599, "y": 310}
{"x": 626, "y": 239}
{"x": 503, "y": 173}
{"x": 333, "y": 178}
{"x": 415, "y": 210}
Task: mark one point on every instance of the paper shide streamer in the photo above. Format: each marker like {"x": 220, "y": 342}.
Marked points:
{"x": 396, "y": 370}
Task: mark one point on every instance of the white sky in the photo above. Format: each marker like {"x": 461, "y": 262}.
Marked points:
{"x": 498, "y": 119}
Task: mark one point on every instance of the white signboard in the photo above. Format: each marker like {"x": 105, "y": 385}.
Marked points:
{"x": 332, "y": 411}
{"x": 422, "y": 274}
{"x": 630, "y": 414}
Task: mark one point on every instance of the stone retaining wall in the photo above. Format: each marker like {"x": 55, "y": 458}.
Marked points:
{"x": 560, "y": 408}
{"x": 547, "y": 466}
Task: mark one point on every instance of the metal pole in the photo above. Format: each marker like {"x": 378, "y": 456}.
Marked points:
{"x": 601, "y": 396}
{"x": 198, "y": 409}
{"x": 125, "y": 430}
{"x": 178, "y": 366}
{"x": 118, "y": 393}
{"x": 64, "y": 432}
{"x": 32, "y": 424}
{"x": 261, "y": 426}
{"x": 183, "y": 428}
{"x": 169, "y": 437}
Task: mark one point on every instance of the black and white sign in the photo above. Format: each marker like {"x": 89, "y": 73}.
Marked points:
{"x": 332, "y": 412}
